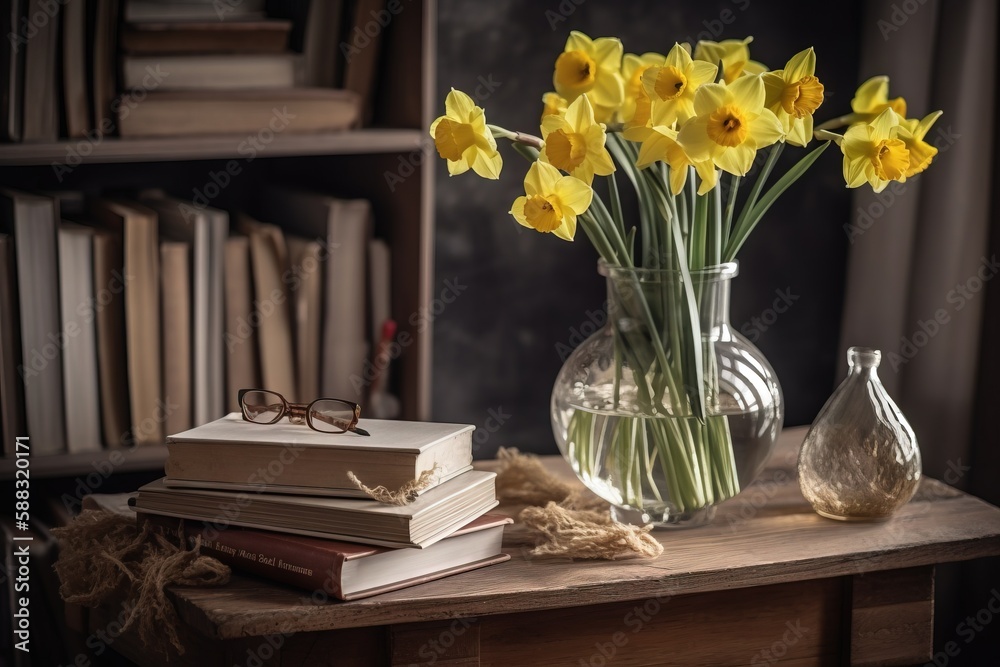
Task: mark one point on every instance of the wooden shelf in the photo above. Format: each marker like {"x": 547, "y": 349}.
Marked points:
{"x": 354, "y": 142}
{"x": 147, "y": 457}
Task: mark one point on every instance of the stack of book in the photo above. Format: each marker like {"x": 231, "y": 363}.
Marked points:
{"x": 81, "y": 69}
{"x": 277, "y": 501}
{"x": 207, "y": 67}
{"x": 123, "y": 319}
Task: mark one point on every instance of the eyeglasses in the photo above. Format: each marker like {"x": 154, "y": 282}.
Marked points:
{"x": 326, "y": 415}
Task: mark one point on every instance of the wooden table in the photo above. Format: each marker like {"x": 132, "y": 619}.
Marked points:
{"x": 768, "y": 580}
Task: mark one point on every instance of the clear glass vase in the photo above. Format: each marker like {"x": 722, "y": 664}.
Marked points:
{"x": 860, "y": 460}
{"x": 623, "y": 407}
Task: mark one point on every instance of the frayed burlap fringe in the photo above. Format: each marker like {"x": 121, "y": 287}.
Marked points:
{"x": 404, "y": 495}
{"x": 101, "y": 553}
{"x": 566, "y": 519}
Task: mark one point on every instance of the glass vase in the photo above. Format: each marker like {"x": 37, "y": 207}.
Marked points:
{"x": 859, "y": 460}
{"x": 623, "y": 409}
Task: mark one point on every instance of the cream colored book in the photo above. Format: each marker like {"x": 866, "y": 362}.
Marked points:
{"x": 137, "y": 226}
{"x": 430, "y": 518}
{"x": 269, "y": 261}
{"x": 175, "y": 295}
{"x": 232, "y": 451}
{"x": 307, "y": 313}
{"x": 242, "y": 362}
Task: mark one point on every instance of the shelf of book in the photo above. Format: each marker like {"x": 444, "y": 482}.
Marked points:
{"x": 96, "y": 150}
{"x": 104, "y": 462}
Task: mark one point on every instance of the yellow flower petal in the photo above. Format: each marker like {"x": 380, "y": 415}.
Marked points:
{"x": 883, "y": 124}
{"x": 517, "y": 210}
{"x": 458, "y": 105}
{"x": 748, "y": 93}
{"x": 854, "y": 172}
{"x": 574, "y": 194}
{"x": 710, "y": 97}
{"x": 708, "y": 175}
{"x": 870, "y": 94}
{"x": 738, "y": 159}
{"x": 693, "y": 136}
{"x": 802, "y": 64}
{"x": 567, "y": 230}
{"x": 541, "y": 178}
{"x": 765, "y": 128}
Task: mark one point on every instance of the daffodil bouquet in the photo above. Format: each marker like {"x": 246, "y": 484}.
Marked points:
{"x": 685, "y": 129}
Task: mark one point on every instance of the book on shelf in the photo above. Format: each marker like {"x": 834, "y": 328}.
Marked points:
{"x": 346, "y": 227}
{"x": 266, "y": 36}
{"x": 12, "y": 66}
{"x": 40, "y": 115}
{"x": 32, "y": 221}
{"x": 11, "y": 389}
{"x": 211, "y": 71}
{"x": 136, "y": 225}
{"x": 192, "y": 10}
{"x": 103, "y": 63}
{"x": 175, "y": 300}
{"x": 231, "y": 112}
{"x": 75, "y": 93}
{"x": 205, "y": 229}
{"x": 430, "y": 518}
{"x": 306, "y": 259}
{"x": 345, "y": 570}
{"x": 321, "y": 48}
{"x": 361, "y": 64}
{"x": 271, "y": 271}
{"x": 242, "y": 361}
{"x": 78, "y": 303}
{"x": 231, "y": 451}
{"x": 110, "y": 329}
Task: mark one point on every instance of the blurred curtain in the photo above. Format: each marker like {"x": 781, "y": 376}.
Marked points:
{"x": 920, "y": 261}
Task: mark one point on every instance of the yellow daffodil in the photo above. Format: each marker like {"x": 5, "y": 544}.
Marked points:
{"x": 632, "y": 68}
{"x": 671, "y": 86}
{"x": 876, "y": 152}
{"x": 871, "y": 99}
{"x": 731, "y": 124}
{"x": 462, "y": 138}
{"x": 592, "y": 67}
{"x": 554, "y": 104}
{"x": 640, "y": 125}
{"x": 734, "y": 54}
{"x": 574, "y": 142}
{"x": 921, "y": 152}
{"x": 793, "y": 94}
{"x": 661, "y": 144}
{"x": 552, "y": 201}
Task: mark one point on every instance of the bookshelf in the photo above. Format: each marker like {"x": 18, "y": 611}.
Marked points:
{"x": 352, "y": 163}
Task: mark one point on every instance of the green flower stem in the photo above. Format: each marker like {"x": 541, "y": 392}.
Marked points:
{"x": 730, "y": 209}
{"x": 772, "y": 157}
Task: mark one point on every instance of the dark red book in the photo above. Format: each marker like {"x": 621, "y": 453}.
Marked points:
{"x": 344, "y": 570}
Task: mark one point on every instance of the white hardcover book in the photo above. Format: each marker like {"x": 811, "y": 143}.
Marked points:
{"x": 79, "y": 354}
{"x": 232, "y": 451}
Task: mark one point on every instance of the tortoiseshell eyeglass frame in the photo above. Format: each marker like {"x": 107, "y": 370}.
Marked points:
{"x": 302, "y": 413}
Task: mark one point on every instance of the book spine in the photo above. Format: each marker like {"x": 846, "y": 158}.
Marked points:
{"x": 259, "y": 553}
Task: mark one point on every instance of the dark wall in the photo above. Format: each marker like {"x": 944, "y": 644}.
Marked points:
{"x": 523, "y": 295}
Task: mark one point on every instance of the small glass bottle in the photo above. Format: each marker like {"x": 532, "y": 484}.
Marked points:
{"x": 860, "y": 459}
